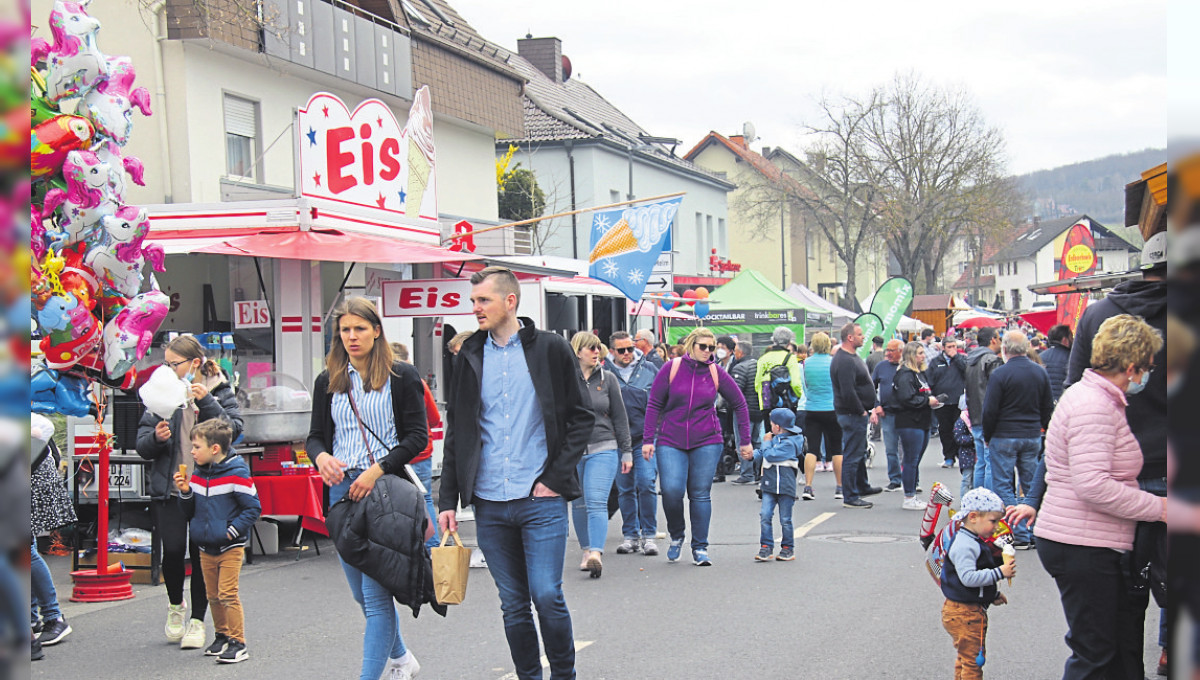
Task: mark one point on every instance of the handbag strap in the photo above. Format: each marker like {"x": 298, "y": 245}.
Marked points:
{"x": 362, "y": 425}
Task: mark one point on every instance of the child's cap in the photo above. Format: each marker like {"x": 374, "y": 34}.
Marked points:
{"x": 785, "y": 419}
{"x": 982, "y": 500}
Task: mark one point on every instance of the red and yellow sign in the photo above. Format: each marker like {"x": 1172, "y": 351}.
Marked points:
{"x": 1078, "y": 259}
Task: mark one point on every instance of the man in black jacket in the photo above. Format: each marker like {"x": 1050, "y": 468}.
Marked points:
{"x": 516, "y": 428}
{"x": 980, "y": 363}
{"x": 1016, "y": 408}
{"x": 743, "y": 370}
{"x": 948, "y": 376}
{"x": 1056, "y": 357}
{"x": 853, "y": 399}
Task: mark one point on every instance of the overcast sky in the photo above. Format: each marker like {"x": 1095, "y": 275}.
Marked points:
{"x": 1065, "y": 80}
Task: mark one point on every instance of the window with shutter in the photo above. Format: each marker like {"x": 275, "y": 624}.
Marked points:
{"x": 241, "y": 137}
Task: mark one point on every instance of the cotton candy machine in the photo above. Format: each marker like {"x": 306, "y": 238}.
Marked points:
{"x": 276, "y": 408}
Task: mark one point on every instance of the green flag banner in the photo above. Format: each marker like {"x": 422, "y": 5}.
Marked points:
{"x": 871, "y": 325}
{"x": 890, "y": 302}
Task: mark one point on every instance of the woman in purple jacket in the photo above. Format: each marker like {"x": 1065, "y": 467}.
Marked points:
{"x": 682, "y": 427}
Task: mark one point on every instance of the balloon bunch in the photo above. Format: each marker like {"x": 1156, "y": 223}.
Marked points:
{"x": 697, "y": 299}
{"x": 88, "y": 246}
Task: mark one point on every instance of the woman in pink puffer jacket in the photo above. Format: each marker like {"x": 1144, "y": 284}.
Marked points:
{"x": 1093, "y": 503}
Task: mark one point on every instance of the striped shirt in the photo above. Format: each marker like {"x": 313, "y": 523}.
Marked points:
{"x": 376, "y": 411}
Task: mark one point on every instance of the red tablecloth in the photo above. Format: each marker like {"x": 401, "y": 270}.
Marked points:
{"x": 298, "y": 495}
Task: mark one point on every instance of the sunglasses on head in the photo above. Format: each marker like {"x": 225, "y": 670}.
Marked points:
{"x": 623, "y": 350}
{"x": 705, "y": 347}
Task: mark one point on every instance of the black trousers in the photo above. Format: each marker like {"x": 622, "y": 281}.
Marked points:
{"x": 946, "y": 416}
{"x": 820, "y": 425}
{"x": 1104, "y": 637}
{"x": 172, "y": 531}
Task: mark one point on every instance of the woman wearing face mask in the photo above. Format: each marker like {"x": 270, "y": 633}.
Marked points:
{"x": 682, "y": 428}
{"x": 1092, "y": 502}
{"x": 598, "y": 467}
{"x": 168, "y": 444}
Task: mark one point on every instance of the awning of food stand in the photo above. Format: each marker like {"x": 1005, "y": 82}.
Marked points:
{"x": 331, "y": 245}
{"x": 1043, "y": 320}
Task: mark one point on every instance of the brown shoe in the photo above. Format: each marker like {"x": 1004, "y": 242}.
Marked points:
{"x": 1164, "y": 668}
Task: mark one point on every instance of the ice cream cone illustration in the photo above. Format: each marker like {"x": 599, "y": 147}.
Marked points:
{"x": 419, "y": 131}
{"x": 1009, "y": 555}
{"x": 616, "y": 241}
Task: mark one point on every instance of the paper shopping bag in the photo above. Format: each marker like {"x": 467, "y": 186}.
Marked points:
{"x": 451, "y": 564}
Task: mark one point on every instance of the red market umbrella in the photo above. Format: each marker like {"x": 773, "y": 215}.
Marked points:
{"x": 1043, "y": 320}
{"x": 980, "y": 322}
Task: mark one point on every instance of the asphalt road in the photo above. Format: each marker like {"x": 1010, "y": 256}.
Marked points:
{"x": 856, "y": 603}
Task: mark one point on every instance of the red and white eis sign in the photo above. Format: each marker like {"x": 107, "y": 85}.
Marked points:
{"x": 365, "y": 158}
{"x": 251, "y": 314}
{"x": 432, "y": 297}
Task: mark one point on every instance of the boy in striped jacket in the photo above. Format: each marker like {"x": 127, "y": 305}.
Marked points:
{"x": 222, "y": 505}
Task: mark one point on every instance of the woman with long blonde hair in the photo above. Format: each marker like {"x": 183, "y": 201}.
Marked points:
{"x": 368, "y": 420}
{"x": 914, "y": 414}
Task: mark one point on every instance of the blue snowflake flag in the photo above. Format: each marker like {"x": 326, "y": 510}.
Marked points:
{"x": 627, "y": 241}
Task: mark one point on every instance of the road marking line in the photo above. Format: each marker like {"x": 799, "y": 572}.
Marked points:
{"x": 579, "y": 645}
{"x": 812, "y": 524}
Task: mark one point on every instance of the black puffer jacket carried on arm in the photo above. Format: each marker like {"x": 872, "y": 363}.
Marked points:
{"x": 383, "y": 536}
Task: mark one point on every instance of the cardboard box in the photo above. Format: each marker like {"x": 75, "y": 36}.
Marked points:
{"x": 138, "y": 563}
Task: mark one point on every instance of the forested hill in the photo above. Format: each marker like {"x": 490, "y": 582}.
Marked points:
{"x": 1095, "y": 187}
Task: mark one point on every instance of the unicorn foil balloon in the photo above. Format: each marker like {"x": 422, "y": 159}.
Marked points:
{"x": 128, "y": 335}
{"x": 110, "y": 104}
{"x": 74, "y": 63}
{"x": 87, "y": 199}
{"x": 110, "y": 153}
{"x": 119, "y": 258}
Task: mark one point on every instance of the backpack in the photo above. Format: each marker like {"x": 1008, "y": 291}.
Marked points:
{"x": 779, "y": 392}
{"x": 935, "y": 557}
{"x": 676, "y": 363}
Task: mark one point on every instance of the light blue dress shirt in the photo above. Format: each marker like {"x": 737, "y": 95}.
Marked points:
{"x": 513, "y": 454}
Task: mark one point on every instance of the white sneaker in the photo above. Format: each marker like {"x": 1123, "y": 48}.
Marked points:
{"x": 193, "y": 636}
{"x": 176, "y": 622}
{"x": 913, "y": 504}
{"x": 404, "y": 668}
{"x": 478, "y": 561}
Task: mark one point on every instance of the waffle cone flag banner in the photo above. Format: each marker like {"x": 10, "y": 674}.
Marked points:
{"x": 1078, "y": 259}
{"x": 889, "y": 304}
{"x": 626, "y": 242}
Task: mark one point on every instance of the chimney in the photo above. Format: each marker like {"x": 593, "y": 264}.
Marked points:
{"x": 738, "y": 140}
{"x": 544, "y": 53}
{"x": 766, "y": 152}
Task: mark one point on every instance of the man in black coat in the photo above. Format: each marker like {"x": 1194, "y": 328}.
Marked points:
{"x": 948, "y": 376}
{"x": 1056, "y": 357}
{"x": 517, "y": 425}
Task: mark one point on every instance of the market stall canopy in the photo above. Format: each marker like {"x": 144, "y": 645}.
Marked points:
{"x": 646, "y": 308}
{"x": 332, "y": 245}
{"x": 841, "y": 315}
{"x": 1043, "y": 320}
{"x": 967, "y": 315}
{"x": 910, "y": 325}
{"x": 980, "y": 322}
{"x": 751, "y": 290}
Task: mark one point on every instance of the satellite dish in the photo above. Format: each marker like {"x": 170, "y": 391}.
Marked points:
{"x": 748, "y": 131}
{"x": 566, "y": 68}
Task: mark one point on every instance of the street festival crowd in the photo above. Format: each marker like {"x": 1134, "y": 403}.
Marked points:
{"x": 1061, "y": 441}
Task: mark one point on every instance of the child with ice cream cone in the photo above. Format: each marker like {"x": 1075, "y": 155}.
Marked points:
{"x": 969, "y": 579}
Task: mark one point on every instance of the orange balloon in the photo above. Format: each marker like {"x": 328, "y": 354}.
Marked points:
{"x": 701, "y": 292}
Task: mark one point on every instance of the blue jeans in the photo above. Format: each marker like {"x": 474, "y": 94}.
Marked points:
{"x": 637, "y": 497}
{"x": 691, "y": 470}
{"x": 766, "y": 534}
{"x": 525, "y": 542}
{"x": 968, "y": 481}
{"x": 424, "y": 470}
{"x": 913, "y": 441}
{"x": 43, "y": 601}
{"x": 381, "y": 640}
{"x": 596, "y": 473}
{"x": 1007, "y": 455}
{"x": 983, "y": 471}
{"x": 854, "y": 449}
{"x": 891, "y": 444}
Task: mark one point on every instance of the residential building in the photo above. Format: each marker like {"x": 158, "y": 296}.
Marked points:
{"x": 586, "y": 152}
{"x": 1033, "y": 257}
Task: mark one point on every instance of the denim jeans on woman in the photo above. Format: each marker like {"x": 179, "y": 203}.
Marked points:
{"x": 891, "y": 444}
{"x": 638, "y": 498}
{"x": 590, "y": 511}
{"x": 913, "y": 441}
{"x": 689, "y": 470}
{"x": 381, "y": 640}
{"x": 983, "y": 472}
{"x": 43, "y": 600}
{"x": 525, "y": 543}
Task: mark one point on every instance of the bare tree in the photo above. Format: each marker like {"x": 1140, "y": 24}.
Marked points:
{"x": 935, "y": 165}
{"x": 993, "y": 217}
{"x": 832, "y": 193}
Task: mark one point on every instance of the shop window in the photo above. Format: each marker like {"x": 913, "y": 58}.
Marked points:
{"x": 241, "y": 138}
{"x": 1014, "y": 268}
